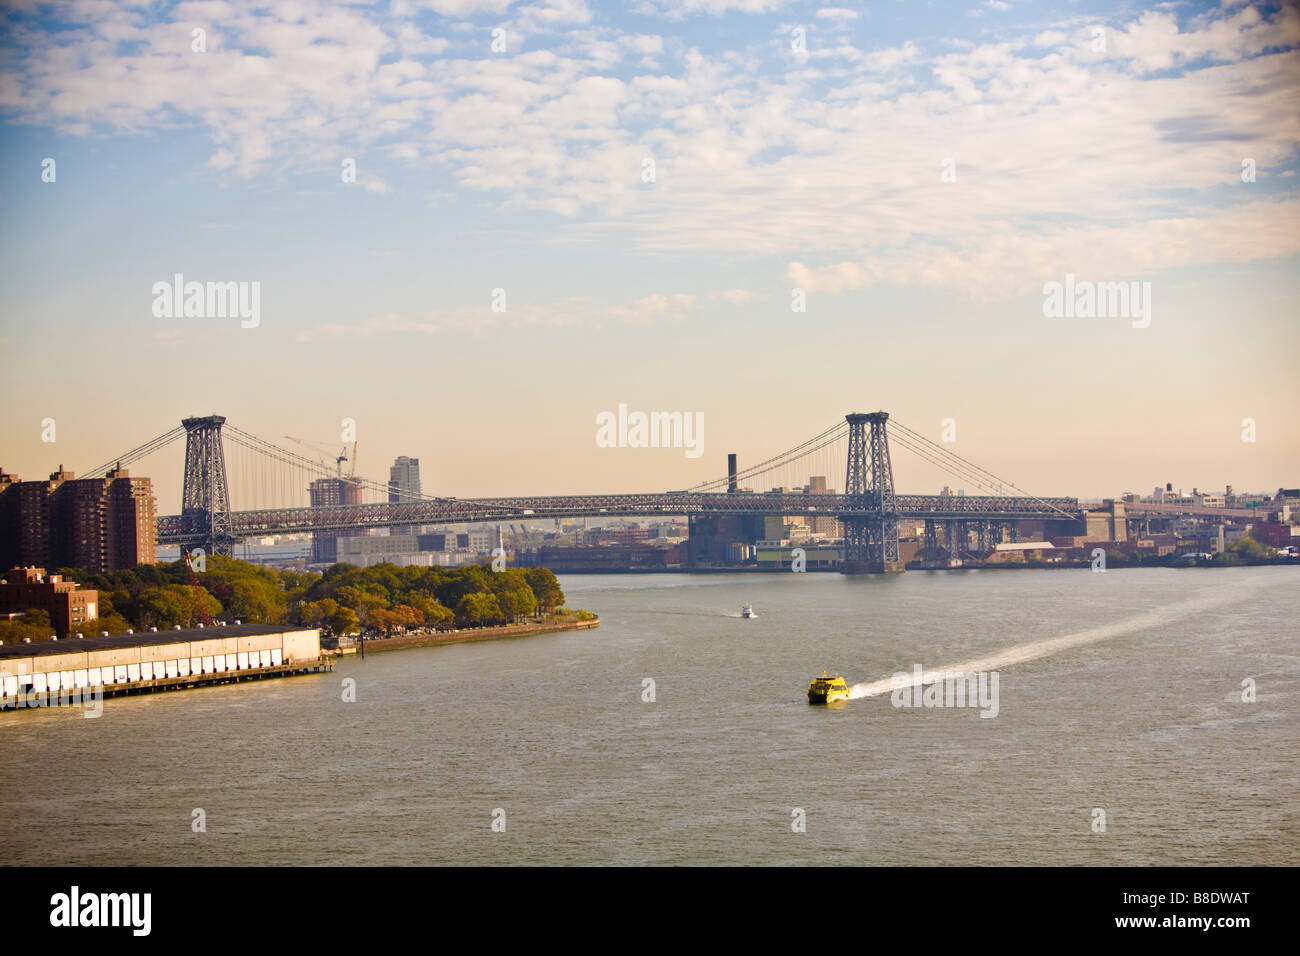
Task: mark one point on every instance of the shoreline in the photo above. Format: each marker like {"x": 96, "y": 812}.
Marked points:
{"x": 1008, "y": 566}
{"x": 473, "y": 634}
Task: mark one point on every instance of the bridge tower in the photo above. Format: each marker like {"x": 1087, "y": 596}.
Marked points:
{"x": 205, "y": 503}
{"x": 871, "y": 530}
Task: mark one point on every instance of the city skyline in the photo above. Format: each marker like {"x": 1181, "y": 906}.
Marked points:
{"x": 919, "y": 177}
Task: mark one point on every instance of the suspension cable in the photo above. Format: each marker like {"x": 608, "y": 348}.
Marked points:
{"x": 771, "y": 464}
{"x": 972, "y": 467}
{"x": 135, "y": 454}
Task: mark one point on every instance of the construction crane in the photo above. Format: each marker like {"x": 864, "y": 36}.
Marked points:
{"x": 339, "y": 460}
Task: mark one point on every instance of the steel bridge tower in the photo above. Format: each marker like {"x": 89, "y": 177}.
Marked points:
{"x": 205, "y": 504}
{"x": 871, "y": 530}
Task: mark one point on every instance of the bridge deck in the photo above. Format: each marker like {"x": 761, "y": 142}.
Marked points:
{"x": 178, "y": 529}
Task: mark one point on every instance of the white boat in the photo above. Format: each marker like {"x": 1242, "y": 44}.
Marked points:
{"x": 748, "y": 611}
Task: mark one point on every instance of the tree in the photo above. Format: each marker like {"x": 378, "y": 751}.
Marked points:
{"x": 525, "y": 601}
{"x": 546, "y": 588}
{"x": 431, "y": 612}
{"x": 163, "y": 608}
{"x": 255, "y": 600}
{"x": 174, "y": 604}
{"x": 316, "y": 613}
{"x": 1248, "y": 549}
{"x": 343, "y": 621}
{"x": 478, "y": 610}
{"x": 406, "y": 616}
{"x": 509, "y": 606}
{"x": 33, "y": 625}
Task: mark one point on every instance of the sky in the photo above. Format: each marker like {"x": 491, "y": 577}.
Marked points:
{"x": 561, "y": 207}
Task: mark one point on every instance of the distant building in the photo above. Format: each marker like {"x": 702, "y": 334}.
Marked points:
{"x": 404, "y": 480}
{"x": 403, "y": 550}
{"x": 774, "y": 554}
{"x": 624, "y": 536}
{"x": 827, "y": 525}
{"x": 443, "y": 541}
{"x": 94, "y": 524}
{"x": 483, "y": 539}
{"x": 31, "y": 589}
{"x": 1110, "y": 524}
{"x": 1276, "y": 535}
{"x": 332, "y": 493}
{"x": 1208, "y": 499}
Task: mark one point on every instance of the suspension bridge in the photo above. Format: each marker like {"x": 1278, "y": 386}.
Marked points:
{"x": 275, "y": 482}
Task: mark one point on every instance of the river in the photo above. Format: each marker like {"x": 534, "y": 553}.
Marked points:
{"x": 1118, "y": 693}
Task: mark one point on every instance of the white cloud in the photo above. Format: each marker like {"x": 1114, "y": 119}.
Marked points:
{"x": 680, "y": 9}
{"x": 837, "y": 13}
{"x": 832, "y": 164}
{"x": 671, "y": 308}
{"x": 738, "y": 296}
{"x": 466, "y": 8}
{"x": 567, "y": 312}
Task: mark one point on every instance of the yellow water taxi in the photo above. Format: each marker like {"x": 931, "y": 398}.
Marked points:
{"x": 827, "y": 689}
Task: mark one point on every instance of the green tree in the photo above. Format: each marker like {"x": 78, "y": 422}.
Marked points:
{"x": 163, "y": 607}
{"x": 546, "y": 588}
{"x": 431, "y": 612}
{"x": 478, "y": 609}
{"x": 1250, "y": 550}
{"x": 343, "y": 621}
{"x": 525, "y": 601}
{"x": 34, "y": 625}
{"x": 509, "y": 607}
{"x": 256, "y": 601}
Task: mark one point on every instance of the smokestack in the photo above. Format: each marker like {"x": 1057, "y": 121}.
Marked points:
{"x": 731, "y": 473}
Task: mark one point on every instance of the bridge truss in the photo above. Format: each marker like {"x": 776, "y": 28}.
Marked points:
{"x": 869, "y": 509}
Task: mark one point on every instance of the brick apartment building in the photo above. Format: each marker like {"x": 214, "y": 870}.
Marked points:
{"x": 31, "y": 589}
{"x": 94, "y": 524}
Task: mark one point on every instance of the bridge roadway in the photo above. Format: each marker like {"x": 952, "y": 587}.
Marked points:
{"x": 180, "y": 529}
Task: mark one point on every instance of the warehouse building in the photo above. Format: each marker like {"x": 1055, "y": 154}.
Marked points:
{"x": 156, "y": 660}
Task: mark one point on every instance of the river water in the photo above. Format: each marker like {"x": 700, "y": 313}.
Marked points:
{"x": 1118, "y": 692}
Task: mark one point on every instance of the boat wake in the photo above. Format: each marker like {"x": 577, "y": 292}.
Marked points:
{"x": 1053, "y": 645}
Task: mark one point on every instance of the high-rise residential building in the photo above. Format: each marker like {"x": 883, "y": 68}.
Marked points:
{"x": 404, "y": 480}
{"x": 331, "y": 493}
{"x": 8, "y": 519}
{"x": 95, "y": 524}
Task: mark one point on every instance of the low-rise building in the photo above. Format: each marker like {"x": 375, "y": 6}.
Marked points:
{"x": 69, "y": 606}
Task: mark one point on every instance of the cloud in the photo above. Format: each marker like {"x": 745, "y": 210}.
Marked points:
{"x": 1013, "y": 262}
{"x": 671, "y": 308}
{"x": 466, "y": 8}
{"x": 567, "y": 312}
{"x": 837, "y": 13}
{"x": 681, "y": 9}
{"x": 831, "y": 164}
{"x": 738, "y": 296}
